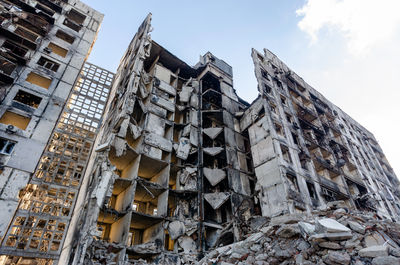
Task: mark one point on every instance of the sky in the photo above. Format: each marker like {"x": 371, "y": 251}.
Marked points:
{"x": 349, "y": 50}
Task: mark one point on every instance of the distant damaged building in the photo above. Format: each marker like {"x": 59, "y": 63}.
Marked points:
{"x": 181, "y": 164}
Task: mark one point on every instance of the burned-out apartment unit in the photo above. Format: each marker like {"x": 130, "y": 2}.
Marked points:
{"x": 178, "y": 164}
{"x": 47, "y": 125}
{"x": 182, "y": 163}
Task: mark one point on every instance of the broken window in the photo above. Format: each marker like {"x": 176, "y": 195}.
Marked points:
{"x": 312, "y": 191}
{"x": 295, "y": 138}
{"x": 27, "y": 99}
{"x": 38, "y": 80}
{"x": 15, "y": 48}
{"x": 292, "y": 181}
{"x": 6, "y": 66}
{"x": 285, "y": 154}
{"x": 65, "y": 37}
{"x": 45, "y": 9}
{"x": 25, "y": 33}
{"x": 283, "y": 100}
{"x": 288, "y": 118}
{"x": 49, "y": 64}
{"x": 75, "y": 16}
{"x": 72, "y": 25}
{"x": 267, "y": 89}
{"x": 15, "y": 119}
{"x": 264, "y": 74}
{"x": 6, "y": 146}
{"x": 279, "y": 129}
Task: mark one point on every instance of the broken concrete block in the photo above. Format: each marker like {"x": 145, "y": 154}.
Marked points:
{"x": 183, "y": 148}
{"x": 176, "y": 229}
{"x": 214, "y": 175}
{"x": 187, "y": 243}
{"x": 328, "y": 225}
{"x": 329, "y": 245}
{"x": 306, "y": 229}
{"x": 216, "y": 199}
{"x": 135, "y": 130}
{"x": 158, "y": 141}
{"x": 356, "y": 227}
{"x": 185, "y": 94}
{"x": 374, "y": 251}
{"x": 331, "y": 236}
{"x": 286, "y": 219}
{"x": 335, "y": 257}
{"x": 389, "y": 260}
{"x": 213, "y": 151}
{"x": 288, "y": 231}
{"x": 212, "y": 132}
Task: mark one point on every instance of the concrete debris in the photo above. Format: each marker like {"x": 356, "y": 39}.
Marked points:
{"x": 301, "y": 243}
{"x": 187, "y": 243}
{"x": 183, "y": 148}
{"x": 176, "y": 229}
{"x": 185, "y": 94}
{"x": 328, "y": 225}
{"x": 216, "y": 199}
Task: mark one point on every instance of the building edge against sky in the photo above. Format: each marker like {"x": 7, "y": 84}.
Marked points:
{"x": 181, "y": 162}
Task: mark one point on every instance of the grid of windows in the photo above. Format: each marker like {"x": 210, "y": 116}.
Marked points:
{"x": 47, "y": 202}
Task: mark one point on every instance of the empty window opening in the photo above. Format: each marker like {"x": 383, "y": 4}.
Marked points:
{"x": 267, "y": 89}
{"x": 15, "y": 48}
{"x": 264, "y": 74}
{"x": 312, "y": 191}
{"x": 6, "y": 146}
{"x": 283, "y": 100}
{"x": 57, "y": 49}
{"x": 45, "y": 9}
{"x": 292, "y": 181}
{"x": 72, "y": 25}
{"x": 285, "y": 154}
{"x": 65, "y": 37}
{"x": 288, "y": 118}
{"x": 27, "y": 99}
{"x": 75, "y": 16}
{"x": 6, "y": 66}
{"x": 15, "y": 119}
{"x": 295, "y": 138}
{"x": 38, "y": 80}
{"x": 273, "y": 108}
{"x": 27, "y": 34}
{"x": 49, "y": 64}
{"x": 279, "y": 129}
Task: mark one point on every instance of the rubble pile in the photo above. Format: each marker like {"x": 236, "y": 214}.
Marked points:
{"x": 331, "y": 236}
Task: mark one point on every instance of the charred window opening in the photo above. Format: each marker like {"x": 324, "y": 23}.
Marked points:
{"x": 295, "y": 138}
{"x": 45, "y": 9}
{"x": 6, "y": 146}
{"x": 264, "y": 74}
{"x": 211, "y": 100}
{"x": 49, "y": 64}
{"x": 137, "y": 114}
{"x": 312, "y": 191}
{"x": 267, "y": 89}
{"x": 286, "y": 154}
{"x": 279, "y": 129}
{"x": 72, "y": 25}
{"x": 27, "y": 34}
{"x": 283, "y": 100}
{"x": 27, "y": 99}
{"x": 209, "y": 81}
{"x": 288, "y": 118}
{"x": 292, "y": 181}
{"x": 65, "y": 37}
{"x": 6, "y": 66}
{"x": 329, "y": 195}
{"x": 15, "y": 48}
{"x": 75, "y": 16}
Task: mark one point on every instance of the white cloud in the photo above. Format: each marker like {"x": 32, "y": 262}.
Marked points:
{"x": 363, "y": 23}
{"x": 363, "y": 78}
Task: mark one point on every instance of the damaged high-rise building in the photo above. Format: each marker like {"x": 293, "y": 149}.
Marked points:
{"x": 180, "y": 163}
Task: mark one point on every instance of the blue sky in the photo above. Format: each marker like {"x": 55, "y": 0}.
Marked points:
{"x": 346, "y": 49}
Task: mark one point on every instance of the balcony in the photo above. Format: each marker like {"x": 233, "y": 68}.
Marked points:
{"x": 321, "y": 164}
{"x": 306, "y": 113}
{"x": 341, "y": 190}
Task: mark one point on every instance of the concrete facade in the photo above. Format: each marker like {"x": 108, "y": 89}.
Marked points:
{"x": 43, "y": 47}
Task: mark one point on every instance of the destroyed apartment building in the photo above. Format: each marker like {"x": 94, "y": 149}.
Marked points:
{"x": 180, "y": 162}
